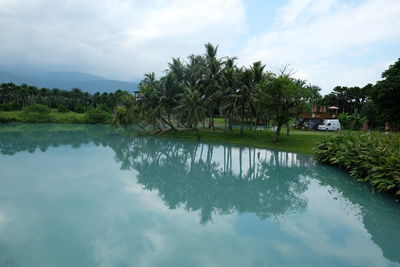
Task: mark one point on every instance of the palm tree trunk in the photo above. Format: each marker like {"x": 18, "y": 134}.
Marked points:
{"x": 240, "y": 162}
{"x": 242, "y": 121}
{"x": 225, "y": 122}
{"x": 278, "y": 132}
{"x": 230, "y": 122}
{"x": 197, "y": 133}
{"x": 251, "y": 122}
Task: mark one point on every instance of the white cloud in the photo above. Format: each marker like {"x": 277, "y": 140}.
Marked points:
{"x": 329, "y": 34}
{"x": 328, "y": 42}
{"x": 114, "y": 38}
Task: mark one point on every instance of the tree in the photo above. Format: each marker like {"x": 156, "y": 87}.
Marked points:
{"x": 284, "y": 95}
{"x": 191, "y": 109}
{"x": 212, "y": 81}
{"x": 229, "y": 84}
{"x": 386, "y": 95}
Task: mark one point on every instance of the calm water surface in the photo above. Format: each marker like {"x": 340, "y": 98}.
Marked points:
{"x": 83, "y": 196}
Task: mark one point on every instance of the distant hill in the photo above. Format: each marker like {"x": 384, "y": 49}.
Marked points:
{"x": 6, "y": 77}
{"x": 74, "y": 76}
{"x": 68, "y": 80}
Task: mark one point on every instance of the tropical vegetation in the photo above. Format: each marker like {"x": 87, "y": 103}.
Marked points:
{"x": 197, "y": 90}
{"x": 24, "y": 103}
{"x": 378, "y": 104}
{"x": 203, "y": 87}
{"x": 372, "y": 158}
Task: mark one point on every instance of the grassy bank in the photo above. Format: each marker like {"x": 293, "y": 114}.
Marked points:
{"x": 297, "y": 141}
{"x": 53, "y": 116}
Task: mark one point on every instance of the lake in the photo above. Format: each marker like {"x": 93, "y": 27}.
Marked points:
{"x": 81, "y": 195}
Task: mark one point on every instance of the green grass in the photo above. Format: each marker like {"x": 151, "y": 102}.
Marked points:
{"x": 298, "y": 141}
{"x": 10, "y": 116}
{"x": 52, "y": 117}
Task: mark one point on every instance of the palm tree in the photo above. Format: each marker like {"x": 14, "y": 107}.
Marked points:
{"x": 149, "y": 102}
{"x": 245, "y": 96}
{"x": 191, "y": 109}
{"x": 212, "y": 80}
{"x": 229, "y": 83}
{"x": 168, "y": 94}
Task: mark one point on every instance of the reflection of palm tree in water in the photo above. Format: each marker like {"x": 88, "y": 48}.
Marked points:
{"x": 380, "y": 217}
{"x": 271, "y": 186}
{"x": 187, "y": 174}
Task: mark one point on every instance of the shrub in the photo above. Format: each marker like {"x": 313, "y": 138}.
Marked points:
{"x": 35, "y": 117}
{"x": 105, "y": 108}
{"x": 352, "y": 122}
{"x": 9, "y": 116}
{"x": 97, "y": 115}
{"x": 68, "y": 117}
{"x": 36, "y": 113}
{"x": 38, "y": 108}
{"x": 62, "y": 108}
{"x": 79, "y": 109}
{"x": 373, "y": 158}
{"x": 10, "y": 106}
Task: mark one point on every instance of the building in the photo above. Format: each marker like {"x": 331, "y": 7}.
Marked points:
{"x": 316, "y": 117}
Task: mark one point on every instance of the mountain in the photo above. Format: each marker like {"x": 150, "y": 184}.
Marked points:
{"x": 6, "y": 77}
{"x": 68, "y": 80}
{"x": 74, "y": 76}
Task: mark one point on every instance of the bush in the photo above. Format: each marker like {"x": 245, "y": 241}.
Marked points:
{"x": 62, "y": 108}
{"x": 36, "y": 113}
{"x": 79, "y": 109}
{"x": 352, "y": 122}
{"x": 9, "y": 116}
{"x": 105, "y": 108}
{"x": 38, "y": 108}
{"x": 68, "y": 117}
{"x": 98, "y": 115}
{"x": 10, "y": 106}
{"x": 35, "y": 117}
{"x": 373, "y": 158}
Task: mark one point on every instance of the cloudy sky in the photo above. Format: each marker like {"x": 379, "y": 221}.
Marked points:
{"x": 327, "y": 42}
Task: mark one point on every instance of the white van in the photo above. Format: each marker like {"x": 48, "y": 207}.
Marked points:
{"x": 329, "y": 125}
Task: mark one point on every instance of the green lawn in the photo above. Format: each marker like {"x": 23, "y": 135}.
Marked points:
{"x": 298, "y": 141}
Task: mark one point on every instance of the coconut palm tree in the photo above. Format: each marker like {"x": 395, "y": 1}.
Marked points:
{"x": 191, "y": 109}
{"x": 212, "y": 80}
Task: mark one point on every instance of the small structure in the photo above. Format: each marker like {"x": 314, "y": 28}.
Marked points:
{"x": 387, "y": 127}
{"x": 365, "y": 128}
{"x": 138, "y": 96}
{"x": 316, "y": 117}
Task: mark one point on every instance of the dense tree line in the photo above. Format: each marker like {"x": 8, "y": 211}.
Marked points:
{"x": 377, "y": 103}
{"x": 17, "y": 97}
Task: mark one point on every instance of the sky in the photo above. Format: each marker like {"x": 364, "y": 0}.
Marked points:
{"x": 326, "y": 42}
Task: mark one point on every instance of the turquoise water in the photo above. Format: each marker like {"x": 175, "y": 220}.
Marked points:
{"x": 83, "y": 196}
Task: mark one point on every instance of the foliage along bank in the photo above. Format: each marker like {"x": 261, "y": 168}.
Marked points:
{"x": 38, "y": 113}
{"x": 371, "y": 158}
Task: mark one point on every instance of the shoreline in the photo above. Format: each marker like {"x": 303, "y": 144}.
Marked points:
{"x": 302, "y": 142}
